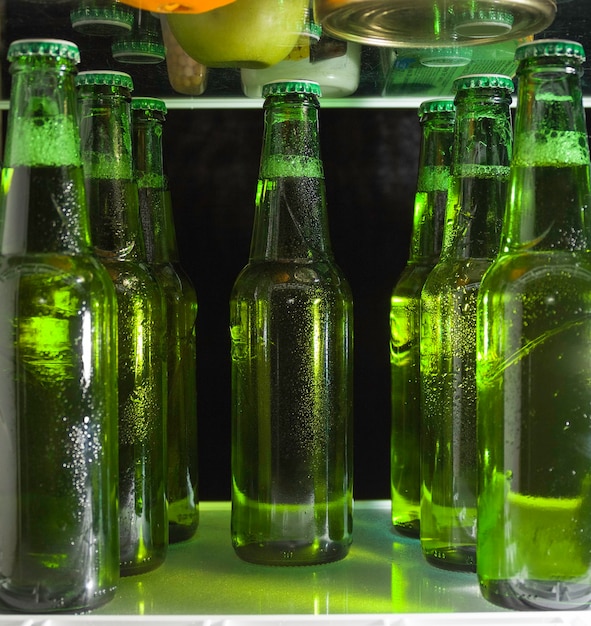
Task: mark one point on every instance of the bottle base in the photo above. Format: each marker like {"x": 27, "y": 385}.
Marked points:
{"x": 133, "y": 568}
{"x": 457, "y": 558}
{"x": 410, "y": 528}
{"x": 292, "y": 553}
{"x": 545, "y": 595}
{"x": 177, "y": 533}
{"x": 38, "y": 599}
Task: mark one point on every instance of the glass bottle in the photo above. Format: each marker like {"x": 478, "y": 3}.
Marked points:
{"x": 104, "y": 99}
{"x": 475, "y": 206}
{"x": 291, "y": 330}
{"x": 534, "y": 341}
{"x": 437, "y": 126}
{"x": 148, "y": 116}
{"x": 58, "y": 405}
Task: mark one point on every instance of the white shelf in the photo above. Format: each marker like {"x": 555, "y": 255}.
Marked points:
{"x": 384, "y": 581}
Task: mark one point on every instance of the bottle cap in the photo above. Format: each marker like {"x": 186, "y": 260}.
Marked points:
{"x": 57, "y": 48}
{"x": 148, "y": 104}
{"x": 484, "y": 23}
{"x": 137, "y": 51}
{"x": 550, "y": 48}
{"x": 483, "y": 81}
{"x": 291, "y": 86}
{"x": 102, "y": 21}
{"x": 452, "y": 56}
{"x": 109, "y": 78}
{"x": 437, "y": 105}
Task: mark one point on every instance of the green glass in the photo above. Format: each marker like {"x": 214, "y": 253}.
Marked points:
{"x": 475, "y": 207}
{"x": 534, "y": 342}
{"x": 104, "y": 104}
{"x": 437, "y": 125}
{"x": 291, "y": 331}
{"x": 148, "y": 115}
{"x": 58, "y": 404}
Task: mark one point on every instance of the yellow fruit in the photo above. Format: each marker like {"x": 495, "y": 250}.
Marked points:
{"x": 247, "y": 33}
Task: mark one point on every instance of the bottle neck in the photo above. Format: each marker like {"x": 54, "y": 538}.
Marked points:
{"x": 43, "y": 207}
{"x": 479, "y": 175}
{"x": 290, "y": 213}
{"x": 432, "y": 186}
{"x": 154, "y": 196}
{"x": 549, "y": 186}
{"x": 105, "y": 130}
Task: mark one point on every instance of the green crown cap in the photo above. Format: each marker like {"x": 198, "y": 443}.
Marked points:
{"x": 57, "y": 48}
{"x": 437, "y": 105}
{"x": 280, "y": 87}
{"x": 148, "y": 104}
{"x": 483, "y": 81}
{"x": 109, "y": 78}
{"x": 117, "y": 15}
{"x": 137, "y": 51}
{"x": 550, "y": 48}
{"x": 483, "y": 23}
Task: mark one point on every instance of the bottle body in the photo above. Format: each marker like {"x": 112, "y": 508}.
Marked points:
{"x": 291, "y": 458}
{"x": 533, "y": 345}
{"x": 180, "y": 314}
{"x": 437, "y": 124}
{"x": 448, "y": 379}
{"x": 475, "y": 207}
{"x": 143, "y": 526}
{"x": 291, "y": 333}
{"x": 58, "y": 426}
{"x": 534, "y": 551}
{"x": 112, "y": 193}
{"x": 58, "y": 529}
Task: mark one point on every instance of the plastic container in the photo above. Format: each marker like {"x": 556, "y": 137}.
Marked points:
{"x": 247, "y": 33}
{"x": 185, "y": 75}
{"x": 414, "y": 23}
{"x": 334, "y": 64}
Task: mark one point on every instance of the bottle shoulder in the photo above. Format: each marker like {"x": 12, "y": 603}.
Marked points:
{"x": 132, "y": 277}
{"x": 261, "y": 275}
{"x": 412, "y": 279}
{"x": 531, "y": 270}
{"x": 80, "y": 274}
{"x": 456, "y": 274}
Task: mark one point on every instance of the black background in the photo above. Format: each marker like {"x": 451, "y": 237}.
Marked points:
{"x": 370, "y": 159}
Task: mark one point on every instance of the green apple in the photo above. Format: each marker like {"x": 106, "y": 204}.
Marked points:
{"x": 247, "y": 33}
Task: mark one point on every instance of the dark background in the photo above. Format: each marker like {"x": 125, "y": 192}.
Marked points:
{"x": 370, "y": 159}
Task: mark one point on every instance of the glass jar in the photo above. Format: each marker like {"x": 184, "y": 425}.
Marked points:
{"x": 419, "y": 23}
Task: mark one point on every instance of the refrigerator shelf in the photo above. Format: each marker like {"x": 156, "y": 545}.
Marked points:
{"x": 384, "y": 581}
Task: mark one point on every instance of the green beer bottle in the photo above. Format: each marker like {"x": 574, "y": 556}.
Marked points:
{"x": 534, "y": 342}
{"x": 474, "y": 215}
{"x": 104, "y": 103}
{"x": 148, "y": 116}
{"x": 437, "y": 125}
{"x": 58, "y": 402}
{"x": 291, "y": 332}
